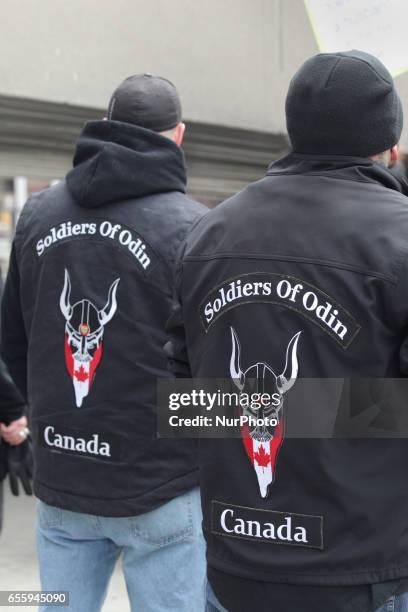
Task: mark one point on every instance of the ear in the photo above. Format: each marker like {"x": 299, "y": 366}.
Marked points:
{"x": 394, "y": 153}
{"x": 179, "y": 134}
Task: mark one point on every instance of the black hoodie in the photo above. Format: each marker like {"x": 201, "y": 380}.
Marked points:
{"x": 87, "y": 296}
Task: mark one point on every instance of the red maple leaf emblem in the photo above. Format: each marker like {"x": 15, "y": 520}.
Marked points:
{"x": 81, "y": 375}
{"x": 262, "y": 458}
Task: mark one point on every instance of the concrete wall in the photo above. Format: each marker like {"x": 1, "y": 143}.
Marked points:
{"x": 231, "y": 59}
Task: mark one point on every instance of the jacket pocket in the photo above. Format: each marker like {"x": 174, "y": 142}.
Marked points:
{"x": 167, "y": 524}
{"x": 49, "y": 516}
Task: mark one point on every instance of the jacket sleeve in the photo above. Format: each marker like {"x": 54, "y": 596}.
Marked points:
{"x": 13, "y": 344}
{"x": 176, "y": 346}
{"x": 12, "y": 405}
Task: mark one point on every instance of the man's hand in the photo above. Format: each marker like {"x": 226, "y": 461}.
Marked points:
{"x": 16, "y": 432}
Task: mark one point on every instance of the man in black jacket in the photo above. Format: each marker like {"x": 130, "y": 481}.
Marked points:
{"x": 87, "y": 297}
{"x": 304, "y": 275}
{"x": 13, "y": 427}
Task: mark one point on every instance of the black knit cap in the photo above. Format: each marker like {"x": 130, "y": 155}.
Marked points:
{"x": 343, "y": 104}
{"x": 148, "y": 101}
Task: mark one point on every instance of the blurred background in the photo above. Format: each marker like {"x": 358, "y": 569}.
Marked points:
{"x": 231, "y": 61}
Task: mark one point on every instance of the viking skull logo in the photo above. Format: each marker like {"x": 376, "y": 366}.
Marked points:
{"x": 262, "y": 442}
{"x": 84, "y": 329}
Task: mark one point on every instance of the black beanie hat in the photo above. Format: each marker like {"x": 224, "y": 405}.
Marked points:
{"x": 343, "y": 104}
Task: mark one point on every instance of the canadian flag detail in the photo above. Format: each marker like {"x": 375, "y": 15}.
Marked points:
{"x": 263, "y": 455}
{"x": 81, "y": 372}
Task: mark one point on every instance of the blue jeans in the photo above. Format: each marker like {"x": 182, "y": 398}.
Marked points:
{"x": 397, "y": 603}
{"x": 163, "y": 556}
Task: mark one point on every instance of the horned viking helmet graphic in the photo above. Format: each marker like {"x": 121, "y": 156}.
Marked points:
{"x": 84, "y": 329}
{"x": 262, "y": 442}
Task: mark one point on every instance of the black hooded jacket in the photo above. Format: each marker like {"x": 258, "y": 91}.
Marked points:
{"x": 303, "y": 276}
{"x": 11, "y": 403}
{"x": 87, "y": 296}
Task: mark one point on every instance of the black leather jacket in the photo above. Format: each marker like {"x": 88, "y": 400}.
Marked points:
{"x": 302, "y": 275}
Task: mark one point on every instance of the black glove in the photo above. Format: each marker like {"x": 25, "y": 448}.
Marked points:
{"x": 19, "y": 462}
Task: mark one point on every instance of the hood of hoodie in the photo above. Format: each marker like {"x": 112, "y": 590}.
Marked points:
{"x": 117, "y": 161}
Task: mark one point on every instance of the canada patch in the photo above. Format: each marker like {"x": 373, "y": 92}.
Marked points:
{"x": 267, "y": 526}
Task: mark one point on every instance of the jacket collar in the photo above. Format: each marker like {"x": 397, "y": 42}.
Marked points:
{"x": 340, "y": 166}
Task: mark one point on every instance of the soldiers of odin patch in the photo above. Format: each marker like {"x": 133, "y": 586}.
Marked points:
{"x": 263, "y": 287}
{"x": 267, "y": 526}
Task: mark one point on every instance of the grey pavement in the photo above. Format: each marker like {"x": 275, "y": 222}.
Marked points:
{"x": 18, "y": 564}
